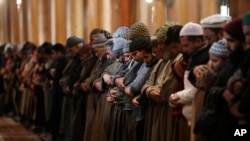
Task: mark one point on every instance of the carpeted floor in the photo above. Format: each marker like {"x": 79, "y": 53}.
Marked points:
{"x": 13, "y": 131}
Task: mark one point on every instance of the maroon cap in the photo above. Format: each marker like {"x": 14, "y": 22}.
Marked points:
{"x": 234, "y": 29}
{"x": 85, "y": 49}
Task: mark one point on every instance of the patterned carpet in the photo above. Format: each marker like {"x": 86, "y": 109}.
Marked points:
{"x": 13, "y": 131}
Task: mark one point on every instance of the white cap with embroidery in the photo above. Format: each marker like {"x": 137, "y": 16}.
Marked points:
{"x": 215, "y": 21}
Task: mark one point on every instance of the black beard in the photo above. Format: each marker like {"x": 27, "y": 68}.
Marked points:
{"x": 237, "y": 55}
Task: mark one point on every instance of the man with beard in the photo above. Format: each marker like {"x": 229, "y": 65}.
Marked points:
{"x": 245, "y": 69}
{"x": 215, "y": 120}
{"x": 180, "y": 128}
{"x": 55, "y": 74}
{"x": 131, "y": 74}
{"x": 237, "y": 92}
{"x": 191, "y": 37}
{"x": 87, "y": 84}
{"x": 114, "y": 51}
{"x": 70, "y": 73}
{"x": 213, "y": 31}
{"x": 88, "y": 61}
{"x": 134, "y": 115}
{"x": 158, "y": 87}
{"x": 213, "y": 27}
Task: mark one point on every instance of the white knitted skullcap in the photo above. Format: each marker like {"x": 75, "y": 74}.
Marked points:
{"x": 219, "y": 49}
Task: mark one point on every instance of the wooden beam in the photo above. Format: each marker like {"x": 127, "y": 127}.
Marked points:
{"x": 3, "y": 22}
{"x": 60, "y": 21}
{"x": 45, "y": 17}
{"x": 77, "y": 18}
{"x": 13, "y": 22}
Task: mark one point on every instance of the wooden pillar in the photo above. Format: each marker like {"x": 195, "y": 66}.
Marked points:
{"x": 205, "y": 11}
{"x": 98, "y": 14}
{"x": 234, "y": 5}
{"x": 106, "y": 14}
{"x": 25, "y": 21}
{"x": 158, "y": 16}
{"x": 244, "y": 7}
{"x": 152, "y": 14}
{"x": 92, "y": 16}
{"x": 45, "y": 19}
{"x": 179, "y": 8}
{"x": 32, "y": 21}
{"x": 86, "y": 20}
{"x": 60, "y": 20}
{"x": 77, "y": 18}
{"x": 20, "y": 24}
{"x": 183, "y": 11}
{"x": 3, "y": 22}
{"x": 145, "y": 13}
{"x": 142, "y": 11}
{"x": 126, "y": 12}
{"x": 13, "y": 21}
{"x": 238, "y": 8}
{"x": 192, "y": 10}
{"x": 54, "y": 20}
